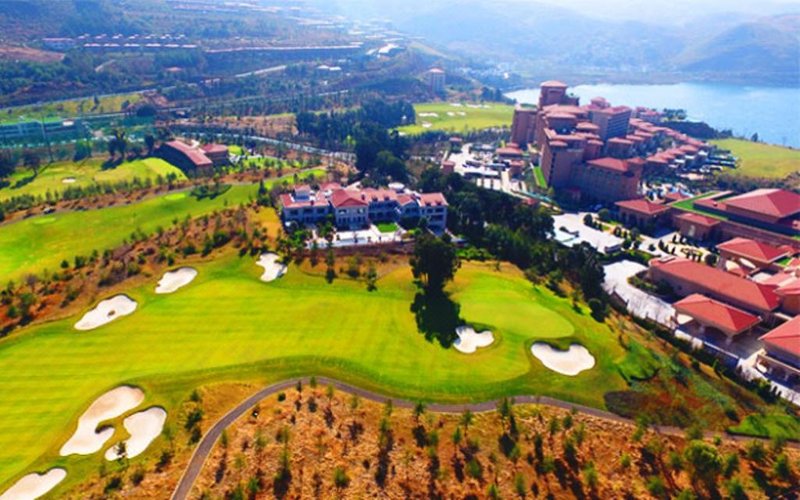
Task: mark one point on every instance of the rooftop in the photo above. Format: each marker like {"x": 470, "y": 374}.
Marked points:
{"x": 723, "y": 284}
{"x": 717, "y": 314}
{"x": 777, "y": 203}
{"x": 700, "y": 220}
{"x": 643, "y": 206}
{"x": 785, "y": 337}
{"x": 751, "y": 249}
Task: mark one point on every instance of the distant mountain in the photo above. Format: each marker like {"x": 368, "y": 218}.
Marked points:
{"x": 546, "y": 38}
{"x": 767, "y": 46}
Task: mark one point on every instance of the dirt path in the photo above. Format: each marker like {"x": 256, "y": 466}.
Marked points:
{"x": 212, "y": 435}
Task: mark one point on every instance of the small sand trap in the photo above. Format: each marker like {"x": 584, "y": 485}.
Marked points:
{"x": 273, "y": 269}
{"x": 112, "y": 404}
{"x": 570, "y": 362}
{"x": 34, "y": 485}
{"x": 69, "y": 180}
{"x": 469, "y": 340}
{"x": 106, "y": 312}
{"x": 143, "y": 427}
{"x": 173, "y": 280}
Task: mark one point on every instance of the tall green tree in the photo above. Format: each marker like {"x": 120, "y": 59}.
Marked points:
{"x": 434, "y": 262}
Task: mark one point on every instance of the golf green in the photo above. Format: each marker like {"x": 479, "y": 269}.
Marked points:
{"x": 227, "y": 323}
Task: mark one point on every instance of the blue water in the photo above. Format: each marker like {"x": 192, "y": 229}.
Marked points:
{"x": 772, "y": 112}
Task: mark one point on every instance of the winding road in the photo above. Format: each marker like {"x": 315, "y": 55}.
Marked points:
{"x": 213, "y": 434}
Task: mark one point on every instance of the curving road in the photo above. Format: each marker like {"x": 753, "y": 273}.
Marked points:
{"x": 212, "y": 435}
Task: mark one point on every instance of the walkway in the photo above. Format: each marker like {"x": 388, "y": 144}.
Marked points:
{"x": 208, "y": 441}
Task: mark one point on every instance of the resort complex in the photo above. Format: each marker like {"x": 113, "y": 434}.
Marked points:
{"x": 334, "y": 250}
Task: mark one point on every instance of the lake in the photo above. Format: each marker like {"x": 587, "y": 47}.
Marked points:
{"x": 772, "y": 112}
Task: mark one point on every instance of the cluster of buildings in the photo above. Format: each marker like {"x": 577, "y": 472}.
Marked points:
{"x": 194, "y": 159}
{"x": 754, "y": 288}
{"x": 353, "y": 208}
{"x": 598, "y": 152}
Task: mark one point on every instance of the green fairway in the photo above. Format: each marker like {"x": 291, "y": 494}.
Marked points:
{"x": 32, "y": 245}
{"x": 459, "y": 117}
{"x": 229, "y": 325}
{"x": 52, "y": 177}
{"x": 761, "y": 160}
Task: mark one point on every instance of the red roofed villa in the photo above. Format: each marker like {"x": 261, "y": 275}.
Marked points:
{"x": 705, "y": 313}
{"x": 781, "y": 356}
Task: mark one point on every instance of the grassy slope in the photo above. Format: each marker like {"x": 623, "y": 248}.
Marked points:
{"x": 762, "y": 160}
{"x": 228, "y": 324}
{"x": 496, "y": 115}
{"x": 43, "y": 242}
{"x": 85, "y": 173}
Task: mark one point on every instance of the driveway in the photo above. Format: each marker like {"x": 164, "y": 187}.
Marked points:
{"x": 640, "y": 304}
{"x": 578, "y": 232}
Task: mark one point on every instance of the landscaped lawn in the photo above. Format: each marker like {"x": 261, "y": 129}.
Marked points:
{"x": 761, "y": 160}
{"x": 785, "y": 426}
{"x": 32, "y": 245}
{"x": 539, "y": 176}
{"x": 387, "y": 227}
{"x": 51, "y": 177}
{"x": 458, "y": 117}
{"x": 227, "y": 325}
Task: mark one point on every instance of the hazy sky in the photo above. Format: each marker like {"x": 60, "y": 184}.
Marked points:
{"x": 652, "y": 11}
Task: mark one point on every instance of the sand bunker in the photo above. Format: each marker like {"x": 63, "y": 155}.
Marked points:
{"x": 69, "y": 180}
{"x": 112, "y": 404}
{"x": 469, "y": 340}
{"x": 143, "y": 427}
{"x": 173, "y": 280}
{"x": 570, "y": 362}
{"x": 106, "y": 312}
{"x": 34, "y": 485}
{"x": 273, "y": 268}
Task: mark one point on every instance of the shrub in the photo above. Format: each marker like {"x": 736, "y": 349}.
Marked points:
{"x": 340, "y": 478}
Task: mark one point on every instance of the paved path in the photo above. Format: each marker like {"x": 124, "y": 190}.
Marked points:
{"x": 203, "y": 450}
{"x": 639, "y": 303}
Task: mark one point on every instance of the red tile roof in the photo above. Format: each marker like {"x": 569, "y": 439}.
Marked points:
{"x": 785, "y": 337}
{"x": 791, "y": 288}
{"x": 721, "y": 284}
{"x": 432, "y": 199}
{"x": 643, "y": 206}
{"x": 196, "y": 156}
{"x": 751, "y": 249}
{"x": 777, "y": 203}
{"x": 610, "y": 164}
{"x": 717, "y": 314}
{"x": 700, "y": 220}
{"x": 215, "y": 148}
{"x": 554, "y": 83}
{"x": 343, "y": 198}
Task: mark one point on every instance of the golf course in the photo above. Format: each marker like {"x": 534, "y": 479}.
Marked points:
{"x": 57, "y": 177}
{"x": 757, "y": 159}
{"x": 458, "y": 117}
{"x": 227, "y": 324}
{"x": 38, "y": 243}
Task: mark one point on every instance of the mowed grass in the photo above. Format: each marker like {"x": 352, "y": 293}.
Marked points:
{"x": 39, "y": 243}
{"x": 71, "y": 108}
{"x": 227, "y": 325}
{"x": 51, "y": 177}
{"x": 761, "y": 160}
{"x": 457, "y": 118}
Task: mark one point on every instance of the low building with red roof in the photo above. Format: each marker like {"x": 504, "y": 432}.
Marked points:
{"x": 707, "y": 313}
{"x": 642, "y": 213}
{"x": 192, "y": 160}
{"x": 767, "y": 205}
{"x": 781, "y": 356}
{"x": 687, "y": 277}
{"x": 751, "y": 253}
